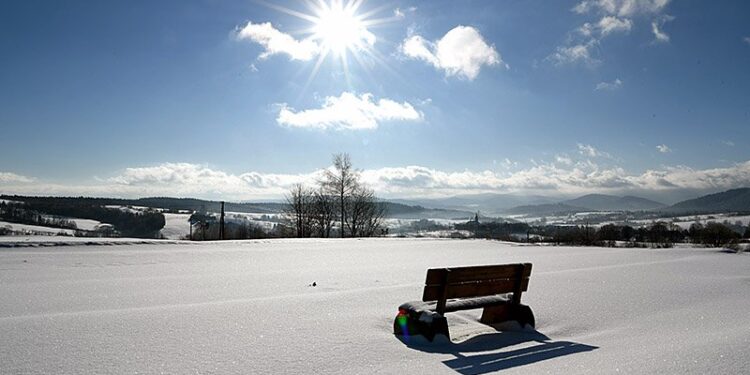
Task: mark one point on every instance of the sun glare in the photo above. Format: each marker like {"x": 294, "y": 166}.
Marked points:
{"x": 339, "y": 29}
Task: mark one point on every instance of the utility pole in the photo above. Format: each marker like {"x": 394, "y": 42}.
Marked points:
{"x": 587, "y": 233}
{"x": 221, "y": 222}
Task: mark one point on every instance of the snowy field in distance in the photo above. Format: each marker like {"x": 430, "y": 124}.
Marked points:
{"x": 176, "y": 226}
{"x": 241, "y": 307}
{"x": 35, "y": 229}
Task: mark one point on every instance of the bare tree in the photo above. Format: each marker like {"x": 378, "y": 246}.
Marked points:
{"x": 366, "y": 213}
{"x": 299, "y": 209}
{"x": 340, "y": 196}
{"x": 341, "y": 182}
{"x": 324, "y": 212}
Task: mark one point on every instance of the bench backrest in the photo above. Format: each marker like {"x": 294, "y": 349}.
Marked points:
{"x": 465, "y": 282}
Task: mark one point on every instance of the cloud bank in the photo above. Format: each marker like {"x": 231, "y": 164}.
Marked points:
{"x": 8, "y": 177}
{"x": 561, "y": 176}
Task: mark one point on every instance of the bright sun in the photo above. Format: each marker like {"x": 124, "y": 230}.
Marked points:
{"x": 339, "y": 29}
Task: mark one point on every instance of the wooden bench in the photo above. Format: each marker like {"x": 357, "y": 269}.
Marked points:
{"x": 464, "y": 288}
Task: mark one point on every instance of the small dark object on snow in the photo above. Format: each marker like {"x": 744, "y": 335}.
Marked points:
{"x": 497, "y": 289}
{"x": 313, "y": 284}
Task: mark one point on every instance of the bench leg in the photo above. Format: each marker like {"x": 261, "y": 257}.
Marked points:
{"x": 503, "y": 313}
{"x": 497, "y": 314}
{"x": 406, "y": 325}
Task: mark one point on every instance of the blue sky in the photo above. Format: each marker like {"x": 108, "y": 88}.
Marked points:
{"x": 219, "y": 99}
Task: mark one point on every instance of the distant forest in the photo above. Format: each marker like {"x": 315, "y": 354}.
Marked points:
{"x": 658, "y": 234}
{"x": 36, "y": 211}
{"x": 201, "y": 205}
{"x": 169, "y": 204}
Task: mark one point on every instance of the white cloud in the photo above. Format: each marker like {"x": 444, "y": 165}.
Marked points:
{"x": 664, "y": 149}
{"x": 728, "y": 143}
{"x": 606, "y": 26}
{"x": 622, "y": 8}
{"x": 746, "y": 39}
{"x": 581, "y": 49}
{"x": 563, "y": 159}
{"x": 616, "y": 16}
{"x": 348, "y": 111}
{"x": 591, "y": 151}
{"x": 191, "y": 180}
{"x": 609, "y": 86}
{"x": 580, "y": 178}
{"x": 575, "y": 53}
{"x": 461, "y": 52}
{"x": 8, "y": 177}
{"x": 401, "y": 13}
{"x": 659, "y": 35}
{"x": 611, "y": 24}
{"x": 276, "y": 42}
{"x": 508, "y": 164}
{"x": 186, "y": 178}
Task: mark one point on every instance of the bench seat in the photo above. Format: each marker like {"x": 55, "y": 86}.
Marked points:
{"x": 458, "y": 304}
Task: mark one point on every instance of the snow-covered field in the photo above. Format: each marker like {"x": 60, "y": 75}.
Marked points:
{"x": 86, "y": 224}
{"x": 176, "y": 226}
{"x": 35, "y": 229}
{"x": 247, "y": 307}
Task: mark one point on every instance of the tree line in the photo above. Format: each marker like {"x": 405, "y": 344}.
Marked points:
{"x": 658, "y": 234}
{"x": 339, "y": 205}
{"x": 144, "y": 224}
{"x": 18, "y": 213}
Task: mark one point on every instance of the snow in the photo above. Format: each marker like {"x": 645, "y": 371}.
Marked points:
{"x": 85, "y": 224}
{"x": 51, "y": 241}
{"x": 133, "y": 209}
{"x": 256, "y": 216}
{"x": 35, "y": 229}
{"x": 239, "y": 307}
{"x": 82, "y": 224}
{"x": 176, "y": 226}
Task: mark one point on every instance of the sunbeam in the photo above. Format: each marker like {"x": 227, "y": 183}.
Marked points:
{"x": 339, "y": 30}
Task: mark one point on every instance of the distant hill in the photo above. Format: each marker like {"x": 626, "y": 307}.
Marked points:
{"x": 403, "y": 211}
{"x": 485, "y": 203}
{"x": 590, "y": 202}
{"x": 602, "y": 202}
{"x": 735, "y": 200}
{"x": 545, "y": 209}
